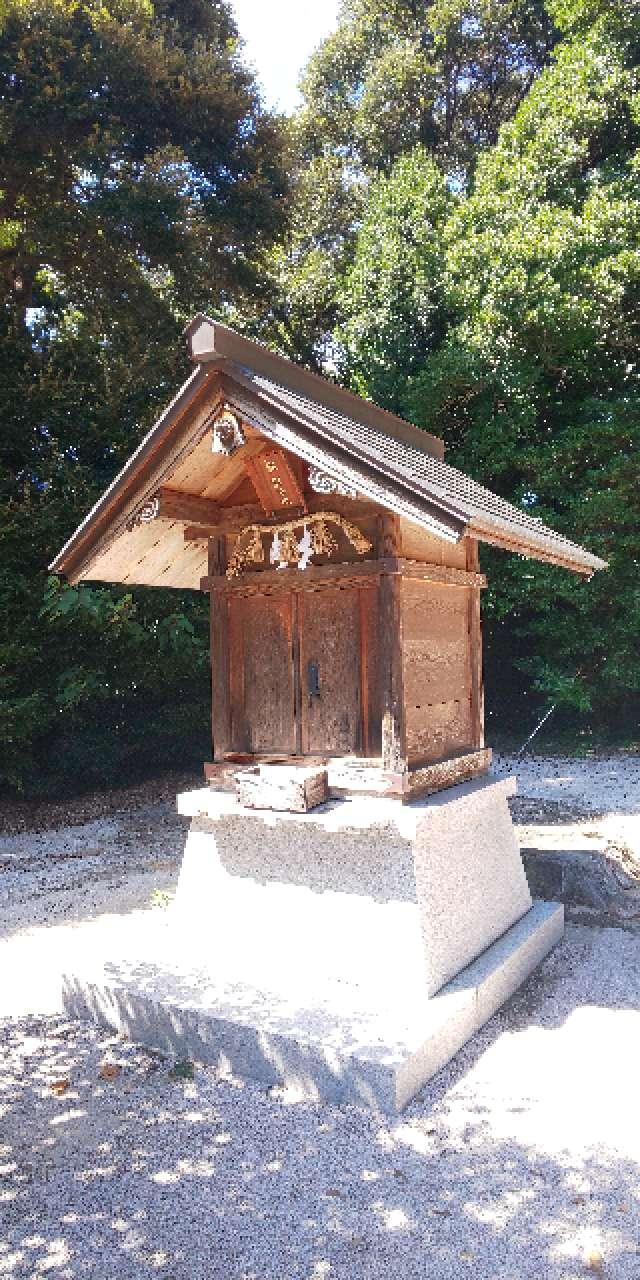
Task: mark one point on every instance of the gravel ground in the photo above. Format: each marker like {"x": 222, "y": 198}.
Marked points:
{"x": 520, "y": 1160}
{"x": 606, "y": 784}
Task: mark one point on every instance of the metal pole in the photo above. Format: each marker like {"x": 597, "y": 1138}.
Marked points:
{"x": 532, "y": 735}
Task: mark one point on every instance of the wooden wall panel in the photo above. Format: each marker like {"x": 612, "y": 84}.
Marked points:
{"x": 438, "y": 729}
{"x": 262, "y": 673}
{"x": 436, "y": 642}
{"x": 418, "y": 544}
{"x": 330, "y": 637}
{"x": 436, "y": 669}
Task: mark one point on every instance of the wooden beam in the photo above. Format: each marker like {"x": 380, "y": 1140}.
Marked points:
{"x": 315, "y": 573}
{"x": 220, "y": 709}
{"x": 174, "y": 505}
{"x": 394, "y": 738}
{"x": 389, "y": 537}
{"x": 274, "y": 482}
{"x": 475, "y": 649}
{"x": 292, "y": 579}
{"x": 530, "y": 550}
{"x": 234, "y": 519}
{"x": 439, "y": 573}
{"x": 427, "y": 779}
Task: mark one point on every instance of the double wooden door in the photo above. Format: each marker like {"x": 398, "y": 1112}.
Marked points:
{"x": 298, "y": 671}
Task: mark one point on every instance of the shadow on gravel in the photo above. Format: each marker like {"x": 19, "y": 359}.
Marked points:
{"x": 517, "y": 1162}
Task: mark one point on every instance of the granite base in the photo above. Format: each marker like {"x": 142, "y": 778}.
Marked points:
{"x": 333, "y": 1041}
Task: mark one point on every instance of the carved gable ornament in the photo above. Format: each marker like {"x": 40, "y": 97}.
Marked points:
{"x": 227, "y": 435}
{"x": 321, "y": 482}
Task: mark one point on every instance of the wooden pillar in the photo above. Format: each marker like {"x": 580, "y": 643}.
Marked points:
{"x": 219, "y": 634}
{"x": 394, "y": 747}
{"x": 475, "y": 649}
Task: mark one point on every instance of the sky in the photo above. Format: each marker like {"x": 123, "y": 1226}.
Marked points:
{"x": 279, "y": 36}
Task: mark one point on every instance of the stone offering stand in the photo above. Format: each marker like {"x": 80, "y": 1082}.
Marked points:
{"x": 347, "y": 952}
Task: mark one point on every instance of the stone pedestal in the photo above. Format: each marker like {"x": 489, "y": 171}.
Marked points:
{"x": 351, "y": 949}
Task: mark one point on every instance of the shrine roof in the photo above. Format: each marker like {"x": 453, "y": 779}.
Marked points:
{"x": 382, "y": 457}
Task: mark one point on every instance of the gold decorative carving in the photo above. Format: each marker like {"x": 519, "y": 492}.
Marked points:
{"x": 317, "y": 539}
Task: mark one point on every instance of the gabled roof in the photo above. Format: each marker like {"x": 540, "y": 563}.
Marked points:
{"x": 387, "y": 460}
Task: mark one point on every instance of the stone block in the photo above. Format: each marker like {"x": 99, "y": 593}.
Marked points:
{"x": 350, "y": 866}
{"x": 336, "y": 1042}
{"x": 349, "y": 951}
{"x": 293, "y": 788}
{"x": 470, "y": 882}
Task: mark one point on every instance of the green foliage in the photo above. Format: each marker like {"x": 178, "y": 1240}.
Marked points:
{"x": 459, "y": 238}
{"x": 391, "y": 79}
{"x": 443, "y": 75}
{"x": 134, "y": 153}
{"x": 140, "y": 180}
{"x": 528, "y": 352}
{"x": 393, "y": 293}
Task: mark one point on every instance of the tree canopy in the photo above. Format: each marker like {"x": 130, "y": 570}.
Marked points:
{"x": 509, "y": 325}
{"x": 140, "y": 180}
{"x": 450, "y": 225}
{"x": 443, "y": 76}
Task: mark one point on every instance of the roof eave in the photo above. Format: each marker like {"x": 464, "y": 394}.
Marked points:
{"x": 564, "y": 555}
{"x": 78, "y": 546}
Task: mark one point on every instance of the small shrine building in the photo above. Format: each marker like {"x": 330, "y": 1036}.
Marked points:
{"x": 340, "y": 554}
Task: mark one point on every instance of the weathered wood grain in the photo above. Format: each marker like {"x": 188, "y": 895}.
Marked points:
{"x": 175, "y": 505}
{"x": 391, "y": 692}
{"x": 330, "y": 637}
{"x": 446, "y": 773}
{"x": 420, "y": 545}
{"x": 262, "y": 674}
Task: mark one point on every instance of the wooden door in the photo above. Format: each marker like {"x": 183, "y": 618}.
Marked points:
{"x": 330, "y": 674}
{"x": 262, "y": 673}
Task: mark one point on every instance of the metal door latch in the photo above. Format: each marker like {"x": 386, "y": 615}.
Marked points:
{"x": 313, "y": 679}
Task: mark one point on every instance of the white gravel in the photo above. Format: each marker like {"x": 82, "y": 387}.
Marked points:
{"x": 521, "y": 1160}
{"x": 610, "y": 784}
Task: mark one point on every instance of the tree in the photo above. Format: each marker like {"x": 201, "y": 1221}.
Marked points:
{"x": 443, "y": 75}
{"x": 133, "y": 147}
{"x": 393, "y": 294}
{"x": 440, "y": 75}
{"x": 534, "y": 379}
{"x": 140, "y": 180}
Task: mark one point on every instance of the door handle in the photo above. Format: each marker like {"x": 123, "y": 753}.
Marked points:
{"x": 313, "y": 679}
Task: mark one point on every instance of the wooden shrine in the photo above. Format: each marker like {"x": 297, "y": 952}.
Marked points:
{"x": 351, "y": 947}
{"x": 340, "y": 554}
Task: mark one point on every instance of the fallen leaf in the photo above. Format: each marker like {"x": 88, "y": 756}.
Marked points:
{"x": 59, "y": 1087}
{"x": 110, "y": 1070}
